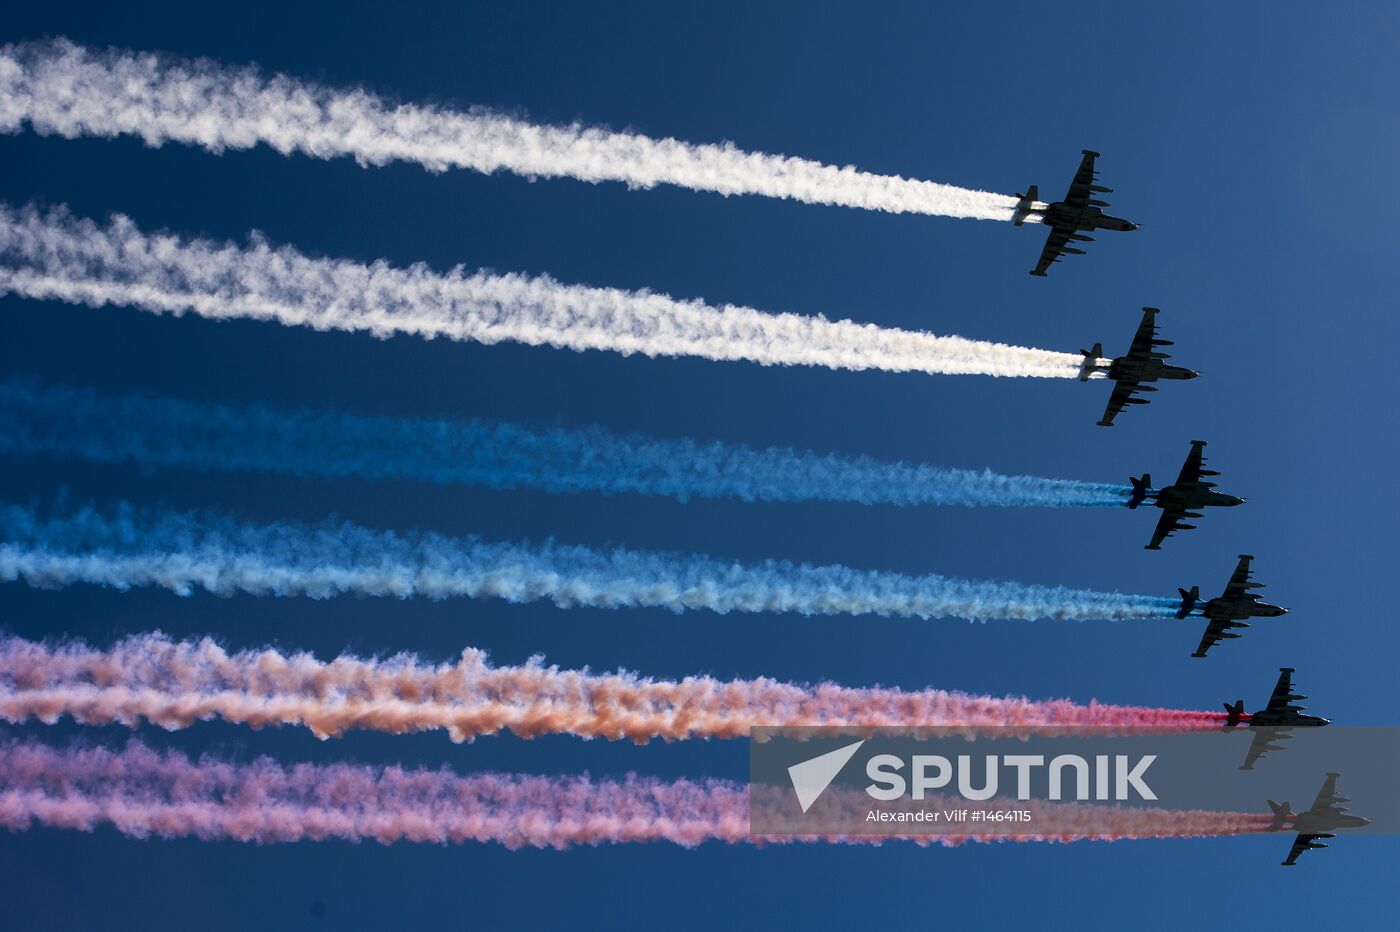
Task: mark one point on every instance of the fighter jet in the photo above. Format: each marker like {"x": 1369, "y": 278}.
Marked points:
{"x": 1142, "y": 364}
{"x": 1275, "y": 720}
{"x": 1080, "y": 210}
{"x": 1321, "y": 821}
{"x": 1229, "y": 609}
{"x": 1176, "y": 501}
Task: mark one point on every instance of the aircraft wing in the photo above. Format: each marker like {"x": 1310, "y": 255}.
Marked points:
{"x": 1191, "y": 470}
{"x": 1261, "y": 742}
{"x": 1213, "y": 635}
{"x": 1079, "y": 192}
{"x": 1282, "y": 698}
{"x": 1056, "y": 244}
{"x": 1169, "y": 523}
{"x": 1240, "y": 583}
{"x": 1122, "y": 396}
{"x": 1301, "y": 844}
{"x": 1143, "y": 347}
{"x": 1327, "y": 798}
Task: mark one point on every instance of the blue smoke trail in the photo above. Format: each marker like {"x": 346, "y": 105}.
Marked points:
{"x": 126, "y": 547}
{"x": 38, "y": 420}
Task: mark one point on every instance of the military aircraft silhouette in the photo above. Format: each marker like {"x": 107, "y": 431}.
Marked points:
{"x": 1080, "y": 210}
{"x": 1321, "y": 821}
{"x": 1229, "y": 609}
{"x": 1142, "y": 363}
{"x": 1274, "y": 721}
{"x": 1176, "y": 500}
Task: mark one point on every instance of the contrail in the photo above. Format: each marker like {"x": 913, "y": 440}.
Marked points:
{"x": 174, "y": 684}
{"x": 39, "y": 420}
{"x": 126, "y": 547}
{"x": 55, "y": 256}
{"x": 144, "y": 793}
{"x": 63, "y": 89}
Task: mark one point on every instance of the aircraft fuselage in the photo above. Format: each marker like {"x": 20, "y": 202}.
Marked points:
{"x": 1189, "y": 498}
{"x": 1321, "y": 823}
{"x": 1221, "y": 609}
{"x": 1266, "y": 719}
{"x": 1060, "y": 214}
{"x": 1126, "y": 369}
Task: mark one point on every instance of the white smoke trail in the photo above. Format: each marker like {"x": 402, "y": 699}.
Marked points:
{"x": 129, "y": 547}
{"x": 49, "y": 421}
{"x": 56, "y": 256}
{"x": 64, "y": 89}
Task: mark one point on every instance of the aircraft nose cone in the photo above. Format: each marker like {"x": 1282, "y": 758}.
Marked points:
{"x": 1193, "y": 374}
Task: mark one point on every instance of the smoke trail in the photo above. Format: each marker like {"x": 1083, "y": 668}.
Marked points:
{"x": 144, "y": 793}
{"x": 129, "y": 547}
{"x": 38, "y": 420}
{"x": 63, "y": 89}
{"x": 174, "y": 684}
{"x": 56, "y": 256}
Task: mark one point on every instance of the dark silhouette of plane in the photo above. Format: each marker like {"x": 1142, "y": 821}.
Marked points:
{"x": 1080, "y": 210}
{"x": 1141, "y": 364}
{"x": 1274, "y": 721}
{"x": 1229, "y": 609}
{"x": 1178, "y": 499}
{"x": 1321, "y": 821}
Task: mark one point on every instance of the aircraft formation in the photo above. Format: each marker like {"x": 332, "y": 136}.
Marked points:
{"x": 293, "y": 285}
{"x": 1071, "y": 220}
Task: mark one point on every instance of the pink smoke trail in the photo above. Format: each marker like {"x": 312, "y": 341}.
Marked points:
{"x": 144, "y": 793}
{"x": 176, "y": 683}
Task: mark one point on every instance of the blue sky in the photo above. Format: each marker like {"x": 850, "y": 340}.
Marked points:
{"x": 1257, "y": 147}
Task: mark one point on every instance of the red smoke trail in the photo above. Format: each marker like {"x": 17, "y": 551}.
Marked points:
{"x": 143, "y": 793}
{"x": 176, "y": 683}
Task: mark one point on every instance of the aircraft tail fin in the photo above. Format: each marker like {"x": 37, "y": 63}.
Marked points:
{"x": 1141, "y": 488}
{"x": 1282, "y": 813}
{"x": 1234, "y": 713}
{"x": 1026, "y": 205}
{"x": 1189, "y": 598}
{"x": 1090, "y": 365}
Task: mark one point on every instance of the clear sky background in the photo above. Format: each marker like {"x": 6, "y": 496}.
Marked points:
{"x": 1257, "y": 144}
